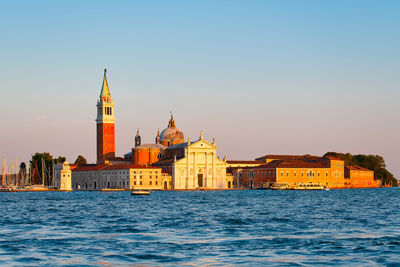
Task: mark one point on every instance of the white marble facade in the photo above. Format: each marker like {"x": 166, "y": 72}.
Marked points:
{"x": 200, "y": 168}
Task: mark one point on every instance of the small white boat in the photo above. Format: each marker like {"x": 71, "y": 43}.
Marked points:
{"x": 140, "y": 192}
{"x": 326, "y": 188}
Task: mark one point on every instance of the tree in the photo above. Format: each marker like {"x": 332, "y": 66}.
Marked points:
{"x": 22, "y": 167}
{"x": 80, "y": 160}
{"x": 22, "y": 174}
{"x": 42, "y": 168}
{"x": 59, "y": 160}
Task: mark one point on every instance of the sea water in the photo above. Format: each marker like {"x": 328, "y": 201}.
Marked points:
{"x": 243, "y": 227}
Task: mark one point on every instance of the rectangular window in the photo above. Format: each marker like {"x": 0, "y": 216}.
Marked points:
{"x": 140, "y": 182}
{"x": 150, "y": 182}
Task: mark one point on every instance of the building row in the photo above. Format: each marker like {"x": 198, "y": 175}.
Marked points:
{"x": 292, "y": 171}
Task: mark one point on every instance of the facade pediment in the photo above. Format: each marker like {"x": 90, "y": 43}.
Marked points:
{"x": 202, "y": 144}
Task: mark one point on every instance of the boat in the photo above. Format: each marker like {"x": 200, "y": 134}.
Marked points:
{"x": 278, "y": 186}
{"x": 7, "y": 189}
{"x": 309, "y": 186}
{"x": 140, "y": 192}
{"x": 326, "y": 188}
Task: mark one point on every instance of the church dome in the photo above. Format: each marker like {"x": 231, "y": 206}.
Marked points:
{"x": 171, "y": 135}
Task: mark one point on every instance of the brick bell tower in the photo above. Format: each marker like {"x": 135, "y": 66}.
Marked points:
{"x": 105, "y": 124}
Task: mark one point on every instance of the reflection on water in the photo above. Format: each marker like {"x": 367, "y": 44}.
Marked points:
{"x": 336, "y": 227}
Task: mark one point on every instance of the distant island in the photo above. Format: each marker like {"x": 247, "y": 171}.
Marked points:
{"x": 175, "y": 163}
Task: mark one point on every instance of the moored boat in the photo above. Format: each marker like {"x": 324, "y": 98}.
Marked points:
{"x": 7, "y": 189}
{"x": 278, "y": 186}
{"x": 309, "y": 186}
{"x": 140, "y": 192}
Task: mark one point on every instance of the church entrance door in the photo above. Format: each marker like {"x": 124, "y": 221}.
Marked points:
{"x": 165, "y": 185}
{"x": 200, "y": 179}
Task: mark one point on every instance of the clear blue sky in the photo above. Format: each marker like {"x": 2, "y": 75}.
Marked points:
{"x": 262, "y": 77}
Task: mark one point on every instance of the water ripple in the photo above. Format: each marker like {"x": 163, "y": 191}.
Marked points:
{"x": 217, "y": 228}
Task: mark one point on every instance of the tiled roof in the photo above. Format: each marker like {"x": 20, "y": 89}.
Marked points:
{"x": 158, "y": 146}
{"x": 300, "y": 164}
{"x": 357, "y": 168}
{"x": 289, "y": 157}
{"x": 163, "y": 161}
{"x": 89, "y": 167}
{"x": 333, "y": 158}
{"x": 128, "y": 166}
{"x": 290, "y": 164}
{"x": 244, "y": 161}
{"x": 177, "y": 146}
{"x": 118, "y": 159}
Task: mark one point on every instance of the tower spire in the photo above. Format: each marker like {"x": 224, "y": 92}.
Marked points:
{"x": 105, "y": 91}
{"x": 158, "y": 137}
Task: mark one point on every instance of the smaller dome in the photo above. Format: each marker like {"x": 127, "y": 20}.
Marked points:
{"x": 65, "y": 163}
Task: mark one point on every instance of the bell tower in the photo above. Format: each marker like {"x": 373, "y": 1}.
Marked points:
{"x": 138, "y": 139}
{"x": 105, "y": 124}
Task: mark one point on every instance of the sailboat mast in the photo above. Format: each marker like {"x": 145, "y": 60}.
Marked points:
{"x": 16, "y": 171}
{"x": 2, "y": 172}
{"x": 30, "y": 173}
{"x": 52, "y": 174}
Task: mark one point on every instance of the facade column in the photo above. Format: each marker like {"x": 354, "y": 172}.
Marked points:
{"x": 187, "y": 168}
{"x": 194, "y": 171}
{"x": 213, "y": 170}
{"x": 206, "y": 171}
